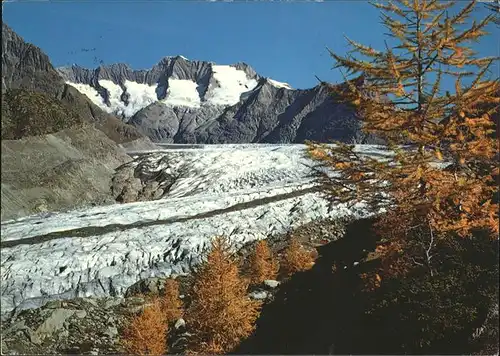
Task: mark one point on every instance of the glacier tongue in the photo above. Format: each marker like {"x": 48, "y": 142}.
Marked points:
{"x": 245, "y": 191}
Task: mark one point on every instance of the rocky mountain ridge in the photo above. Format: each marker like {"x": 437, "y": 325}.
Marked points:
{"x": 184, "y": 101}
{"x": 59, "y": 150}
{"x": 26, "y": 67}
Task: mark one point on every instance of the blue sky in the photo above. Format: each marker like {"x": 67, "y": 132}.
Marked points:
{"x": 283, "y": 40}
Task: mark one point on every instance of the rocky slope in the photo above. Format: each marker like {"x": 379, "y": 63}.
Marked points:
{"x": 184, "y": 101}
{"x": 70, "y": 168}
{"x": 26, "y": 67}
{"x": 59, "y": 150}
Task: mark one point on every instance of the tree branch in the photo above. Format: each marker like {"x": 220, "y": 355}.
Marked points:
{"x": 428, "y": 251}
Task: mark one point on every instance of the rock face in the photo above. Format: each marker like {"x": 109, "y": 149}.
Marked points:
{"x": 78, "y": 326}
{"x": 138, "y": 180}
{"x": 25, "y": 67}
{"x": 67, "y": 169}
{"x": 55, "y": 153}
{"x": 183, "y": 101}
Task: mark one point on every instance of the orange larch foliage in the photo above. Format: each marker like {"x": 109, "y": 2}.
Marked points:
{"x": 262, "y": 263}
{"x": 296, "y": 258}
{"x": 171, "y": 304}
{"x": 221, "y": 314}
{"x": 443, "y": 173}
{"x": 455, "y": 128}
{"x": 371, "y": 281}
{"x": 146, "y": 333}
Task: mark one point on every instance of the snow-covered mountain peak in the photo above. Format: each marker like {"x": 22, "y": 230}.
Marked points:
{"x": 279, "y": 84}
{"x": 190, "y": 101}
{"x": 174, "y": 81}
{"x": 180, "y": 56}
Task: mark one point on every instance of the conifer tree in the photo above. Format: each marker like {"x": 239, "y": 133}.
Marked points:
{"x": 221, "y": 314}
{"x": 171, "y": 303}
{"x": 402, "y": 101}
{"x": 296, "y": 258}
{"x": 262, "y": 264}
{"x": 146, "y": 333}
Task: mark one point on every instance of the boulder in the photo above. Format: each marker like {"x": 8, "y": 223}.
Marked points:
{"x": 271, "y": 283}
{"x": 180, "y": 323}
{"x": 111, "y": 332}
{"x": 259, "y": 295}
{"x": 153, "y": 285}
{"x": 55, "y": 322}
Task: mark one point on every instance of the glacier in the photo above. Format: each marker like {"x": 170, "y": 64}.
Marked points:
{"x": 246, "y": 192}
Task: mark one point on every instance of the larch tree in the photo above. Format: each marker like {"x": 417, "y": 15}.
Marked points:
{"x": 296, "y": 258}
{"x": 402, "y": 101}
{"x": 221, "y": 314}
{"x": 262, "y": 263}
{"x": 171, "y": 303}
{"x": 146, "y": 333}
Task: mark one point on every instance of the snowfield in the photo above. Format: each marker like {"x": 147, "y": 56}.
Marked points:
{"x": 225, "y": 89}
{"x": 279, "y": 84}
{"x": 230, "y": 84}
{"x": 182, "y": 92}
{"x": 92, "y": 94}
{"x": 247, "y": 192}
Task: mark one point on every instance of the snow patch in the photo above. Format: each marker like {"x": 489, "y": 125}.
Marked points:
{"x": 182, "y": 92}
{"x": 279, "y": 84}
{"x": 114, "y": 96}
{"x": 140, "y": 96}
{"x": 231, "y": 83}
{"x": 92, "y": 94}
